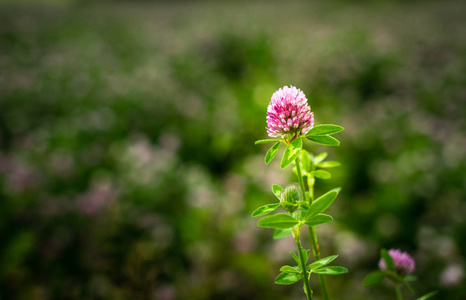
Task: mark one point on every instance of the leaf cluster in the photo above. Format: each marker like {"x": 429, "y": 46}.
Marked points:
{"x": 320, "y": 134}
{"x": 311, "y": 215}
{"x": 290, "y": 275}
{"x": 312, "y": 166}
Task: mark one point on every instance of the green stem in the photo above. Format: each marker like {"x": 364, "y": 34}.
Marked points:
{"x": 312, "y": 230}
{"x": 300, "y": 177}
{"x": 310, "y": 184}
{"x": 307, "y": 286}
{"x": 398, "y": 292}
{"x": 316, "y": 251}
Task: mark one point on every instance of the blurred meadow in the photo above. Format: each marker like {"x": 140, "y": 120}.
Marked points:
{"x": 128, "y": 168}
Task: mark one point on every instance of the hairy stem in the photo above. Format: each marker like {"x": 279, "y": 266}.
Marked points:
{"x": 304, "y": 276}
{"x": 316, "y": 251}
{"x": 312, "y": 230}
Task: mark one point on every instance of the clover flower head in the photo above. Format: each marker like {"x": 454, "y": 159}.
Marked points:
{"x": 288, "y": 114}
{"x": 403, "y": 263}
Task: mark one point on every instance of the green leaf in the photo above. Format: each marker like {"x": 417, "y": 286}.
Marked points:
{"x": 329, "y": 164}
{"x": 319, "y": 158}
{"x": 324, "y": 140}
{"x": 333, "y": 270}
{"x": 319, "y": 219}
{"x": 387, "y": 258}
{"x": 271, "y": 153}
{"x": 277, "y": 190}
{"x": 321, "y": 174}
{"x": 265, "y": 209}
{"x": 281, "y": 233}
{"x": 305, "y": 161}
{"x": 427, "y": 296}
{"x": 373, "y": 278}
{"x": 258, "y": 142}
{"x": 321, "y": 262}
{"x": 291, "y": 152}
{"x": 303, "y": 207}
{"x": 287, "y": 278}
{"x": 296, "y": 258}
{"x": 289, "y": 269}
{"x": 278, "y": 221}
{"x": 324, "y": 129}
{"x": 306, "y": 254}
{"x": 322, "y": 203}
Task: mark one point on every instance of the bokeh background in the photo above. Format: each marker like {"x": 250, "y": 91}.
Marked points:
{"x": 128, "y": 168}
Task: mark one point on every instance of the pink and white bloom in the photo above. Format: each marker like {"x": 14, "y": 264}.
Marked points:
{"x": 288, "y": 114}
{"x": 403, "y": 263}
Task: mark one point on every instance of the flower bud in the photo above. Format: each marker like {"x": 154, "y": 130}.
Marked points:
{"x": 290, "y": 197}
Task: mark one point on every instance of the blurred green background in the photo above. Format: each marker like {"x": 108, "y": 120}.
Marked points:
{"x": 127, "y": 161}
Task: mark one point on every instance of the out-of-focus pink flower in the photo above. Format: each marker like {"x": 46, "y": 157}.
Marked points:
{"x": 403, "y": 263}
{"x": 452, "y": 275}
{"x": 96, "y": 199}
{"x": 288, "y": 114}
